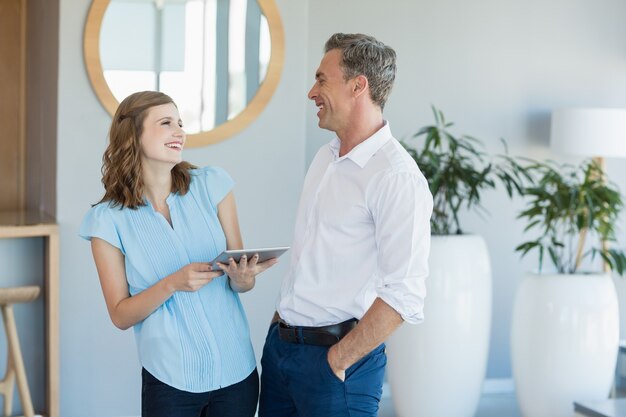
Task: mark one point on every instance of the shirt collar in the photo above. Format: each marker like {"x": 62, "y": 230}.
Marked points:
{"x": 362, "y": 153}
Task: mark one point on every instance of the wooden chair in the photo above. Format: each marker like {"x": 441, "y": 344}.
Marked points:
{"x": 15, "y": 363}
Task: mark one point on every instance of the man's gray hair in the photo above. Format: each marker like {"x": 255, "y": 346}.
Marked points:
{"x": 364, "y": 55}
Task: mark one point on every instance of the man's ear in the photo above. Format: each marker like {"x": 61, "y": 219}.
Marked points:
{"x": 360, "y": 85}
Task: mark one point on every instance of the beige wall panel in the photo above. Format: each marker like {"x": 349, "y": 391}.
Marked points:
{"x": 41, "y": 98}
{"x": 11, "y": 104}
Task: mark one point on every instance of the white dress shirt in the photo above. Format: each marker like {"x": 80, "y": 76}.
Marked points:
{"x": 362, "y": 232}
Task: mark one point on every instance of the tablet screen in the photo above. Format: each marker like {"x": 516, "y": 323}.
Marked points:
{"x": 264, "y": 254}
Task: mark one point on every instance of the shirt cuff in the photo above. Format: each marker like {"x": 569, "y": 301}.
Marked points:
{"x": 409, "y": 304}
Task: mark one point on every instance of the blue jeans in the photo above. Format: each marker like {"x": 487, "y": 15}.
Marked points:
{"x": 297, "y": 381}
{"x": 160, "y": 400}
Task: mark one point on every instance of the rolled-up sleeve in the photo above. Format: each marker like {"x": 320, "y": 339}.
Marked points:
{"x": 402, "y": 207}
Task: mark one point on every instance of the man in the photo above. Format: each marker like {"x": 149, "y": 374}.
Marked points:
{"x": 360, "y": 250}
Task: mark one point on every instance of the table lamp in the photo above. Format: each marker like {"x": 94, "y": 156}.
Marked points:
{"x": 592, "y": 132}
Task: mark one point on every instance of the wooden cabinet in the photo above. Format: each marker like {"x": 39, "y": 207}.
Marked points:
{"x": 29, "y": 48}
{"x": 12, "y": 101}
{"x": 29, "y": 37}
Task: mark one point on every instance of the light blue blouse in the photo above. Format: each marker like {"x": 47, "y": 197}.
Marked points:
{"x": 196, "y": 341}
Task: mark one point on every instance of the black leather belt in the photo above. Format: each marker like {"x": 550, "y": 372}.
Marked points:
{"x": 321, "y": 336}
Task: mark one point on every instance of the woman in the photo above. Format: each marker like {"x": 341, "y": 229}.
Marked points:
{"x": 160, "y": 222}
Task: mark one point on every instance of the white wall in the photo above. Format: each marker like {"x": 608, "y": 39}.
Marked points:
{"x": 495, "y": 68}
{"x": 100, "y": 373}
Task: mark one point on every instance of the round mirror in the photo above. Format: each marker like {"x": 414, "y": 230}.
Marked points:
{"x": 219, "y": 60}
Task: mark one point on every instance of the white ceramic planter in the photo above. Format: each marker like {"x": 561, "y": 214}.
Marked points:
{"x": 564, "y": 342}
{"x": 436, "y": 368}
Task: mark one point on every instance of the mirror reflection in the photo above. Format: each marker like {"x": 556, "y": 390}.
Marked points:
{"x": 210, "y": 56}
{"x": 222, "y": 70}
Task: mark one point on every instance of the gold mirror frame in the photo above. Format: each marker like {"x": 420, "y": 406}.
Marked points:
{"x": 91, "y": 51}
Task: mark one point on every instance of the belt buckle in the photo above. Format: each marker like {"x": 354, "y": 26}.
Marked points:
{"x": 321, "y": 336}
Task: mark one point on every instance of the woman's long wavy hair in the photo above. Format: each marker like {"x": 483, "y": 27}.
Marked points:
{"x": 121, "y": 162}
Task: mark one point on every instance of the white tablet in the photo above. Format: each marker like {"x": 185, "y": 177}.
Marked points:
{"x": 264, "y": 254}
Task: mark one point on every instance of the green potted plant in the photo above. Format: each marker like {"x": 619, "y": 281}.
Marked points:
{"x": 566, "y": 205}
{"x": 456, "y": 170}
{"x": 425, "y": 365}
{"x": 565, "y": 326}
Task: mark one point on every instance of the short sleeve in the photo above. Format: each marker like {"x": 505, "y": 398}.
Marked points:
{"x": 218, "y": 183}
{"x": 99, "y": 223}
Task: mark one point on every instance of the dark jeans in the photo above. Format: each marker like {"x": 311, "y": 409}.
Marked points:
{"x": 297, "y": 381}
{"x": 160, "y": 400}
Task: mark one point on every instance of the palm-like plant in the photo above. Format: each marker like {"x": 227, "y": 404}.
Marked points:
{"x": 456, "y": 172}
{"x": 567, "y": 205}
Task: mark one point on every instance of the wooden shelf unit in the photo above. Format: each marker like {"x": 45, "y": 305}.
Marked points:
{"x": 29, "y": 49}
{"x": 19, "y": 224}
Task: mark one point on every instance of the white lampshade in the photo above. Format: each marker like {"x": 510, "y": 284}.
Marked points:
{"x": 589, "y": 132}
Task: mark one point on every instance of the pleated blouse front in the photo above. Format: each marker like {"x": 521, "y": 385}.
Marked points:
{"x": 196, "y": 341}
